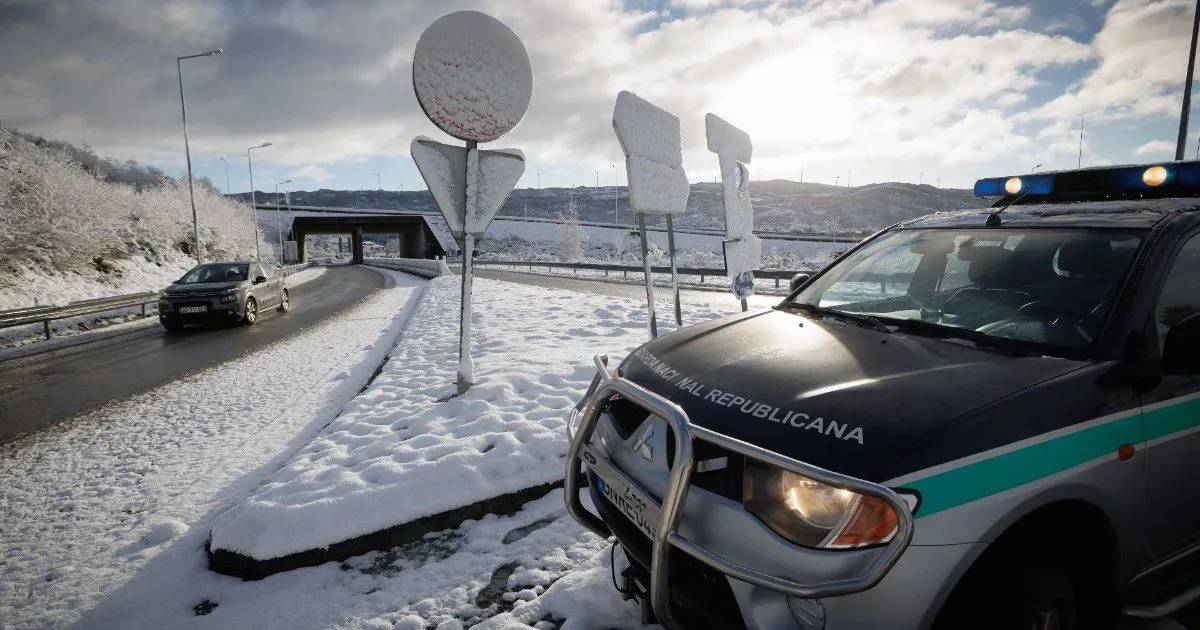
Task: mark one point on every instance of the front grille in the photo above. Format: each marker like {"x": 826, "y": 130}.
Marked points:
{"x": 626, "y": 416}
{"x": 727, "y": 482}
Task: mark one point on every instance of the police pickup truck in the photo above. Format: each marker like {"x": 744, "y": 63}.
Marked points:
{"x": 976, "y": 419}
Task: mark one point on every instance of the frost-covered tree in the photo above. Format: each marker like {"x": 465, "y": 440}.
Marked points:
{"x": 59, "y": 214}
{"x": 571, "y": 238}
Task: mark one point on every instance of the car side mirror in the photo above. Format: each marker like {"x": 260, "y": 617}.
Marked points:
{"x": 260, "y": 280}
{"x": 798, "y": 280}
{"x": 1181, "y": 350}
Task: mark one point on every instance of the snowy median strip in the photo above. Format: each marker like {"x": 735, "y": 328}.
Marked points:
{"x": 407, "y": 449}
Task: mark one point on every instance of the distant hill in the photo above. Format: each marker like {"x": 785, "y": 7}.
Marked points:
{"x": 779, "y": 205}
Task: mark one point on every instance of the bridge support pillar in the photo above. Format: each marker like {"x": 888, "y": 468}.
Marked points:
{"x": 356, "y": 245}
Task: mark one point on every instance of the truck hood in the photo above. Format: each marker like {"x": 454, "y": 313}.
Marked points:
{"x": 829, "y": 393}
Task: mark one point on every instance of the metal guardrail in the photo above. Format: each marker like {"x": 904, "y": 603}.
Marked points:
{"x": 421, "y": 267}
{"x": 45, "y": 314}
{"x": 775, "y": 274}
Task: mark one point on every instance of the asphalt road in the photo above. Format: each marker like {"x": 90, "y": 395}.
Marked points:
{"x": 36, "y": 391}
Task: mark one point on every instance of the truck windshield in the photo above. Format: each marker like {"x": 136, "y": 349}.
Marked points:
{"x": 218, "y": 272}
{"x": 1043, "y": 288}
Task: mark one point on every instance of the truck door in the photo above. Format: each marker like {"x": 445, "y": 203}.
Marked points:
{"x": 1171, "y": 413}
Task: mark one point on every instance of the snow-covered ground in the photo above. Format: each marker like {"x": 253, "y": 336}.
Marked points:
{"x": 407, "y": 448}
{"x": 105, "y": 495}
{"x": 112, "y": 518}
{"x": 134, "y": 275}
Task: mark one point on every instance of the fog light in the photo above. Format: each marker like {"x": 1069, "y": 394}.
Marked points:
{"x": 226, "y": 299}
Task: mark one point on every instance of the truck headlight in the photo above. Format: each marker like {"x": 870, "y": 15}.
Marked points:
{"x": 226, "y": 299}
{"x": 813, "y": 514}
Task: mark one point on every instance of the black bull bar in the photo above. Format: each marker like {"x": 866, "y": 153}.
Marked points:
{"x": 666, "y": 535}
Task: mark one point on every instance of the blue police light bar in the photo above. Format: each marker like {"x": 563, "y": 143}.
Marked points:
{"x": 1138, "y": 181}
{"x": 1041, "y": 184}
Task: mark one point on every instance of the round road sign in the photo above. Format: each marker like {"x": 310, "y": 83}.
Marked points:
{"x": 472, "y": 76}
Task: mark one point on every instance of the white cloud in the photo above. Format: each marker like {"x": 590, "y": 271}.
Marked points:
{"x": 1142, "y": 49}
{"x": 1157, "y": 147}
{"x": 812, "y": 83}
{"x": 313, "y": 172}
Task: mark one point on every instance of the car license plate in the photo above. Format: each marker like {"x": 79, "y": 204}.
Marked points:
{"x": 637, "y": 505}
{"x": 193, "y": 309}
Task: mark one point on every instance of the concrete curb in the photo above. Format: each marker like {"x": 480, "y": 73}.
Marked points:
{"x": 248, "y": 568}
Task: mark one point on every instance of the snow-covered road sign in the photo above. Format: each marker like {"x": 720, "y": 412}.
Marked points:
{"x": 472, "y": 77}
{"x": 650, "y": 138}
{"x": 468, "y": 185}
{"x": 743, "y": 250}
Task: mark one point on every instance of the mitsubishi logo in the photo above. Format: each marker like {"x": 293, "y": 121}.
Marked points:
{"x": 642, "y": 446}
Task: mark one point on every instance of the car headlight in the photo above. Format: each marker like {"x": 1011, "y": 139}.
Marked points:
{"x": 226, "y": 299}
{"x": 813, "y": 514}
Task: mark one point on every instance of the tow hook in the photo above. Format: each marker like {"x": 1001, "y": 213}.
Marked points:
{"x": 630, "y": 587}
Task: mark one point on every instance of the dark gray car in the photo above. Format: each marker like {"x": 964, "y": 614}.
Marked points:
{"x": 222, "y": 292}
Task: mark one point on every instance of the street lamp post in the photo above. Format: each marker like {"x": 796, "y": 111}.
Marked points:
{"x": 187, "y": 151}
{"x": 1187, "y": 86}
{"x": 378, "y": 181}
{"x": 616, "y": 217}
{"x": 279, "y": 224}
{"x": 253, "y": 202}
{"x": 227, "y": 191}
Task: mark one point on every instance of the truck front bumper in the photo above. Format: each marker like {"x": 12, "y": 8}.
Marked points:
{"x": 825, "y": 574}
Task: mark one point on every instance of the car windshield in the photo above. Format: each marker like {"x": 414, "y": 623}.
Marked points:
{"x": 218, "y": 272}
{"x": 1036, "y": 288}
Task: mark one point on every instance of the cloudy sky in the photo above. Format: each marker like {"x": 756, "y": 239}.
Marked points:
{"x": 852, "y": 89}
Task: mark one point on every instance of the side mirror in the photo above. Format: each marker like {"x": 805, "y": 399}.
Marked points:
{"x": 1181, "y": 350}
{"x": 260, "y": 280}
{"x": 798, "y": 280}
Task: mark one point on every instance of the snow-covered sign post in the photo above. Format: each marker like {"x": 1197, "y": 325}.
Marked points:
{"x": 743, "y": 250}
{"x": 472, "y": 77}
{"x": 653, "y": 149}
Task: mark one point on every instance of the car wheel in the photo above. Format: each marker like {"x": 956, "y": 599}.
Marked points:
{"x": 170, "y": 325}
{"x": 285, "y": 302}
{"x": 1036, "y": 592}
{"x": 250, "y": 313}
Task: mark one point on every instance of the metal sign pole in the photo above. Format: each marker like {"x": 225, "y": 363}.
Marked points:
{"x": 674, "y": 273}
{"x": 466, "y": 368}
{"x": 469, "y": 185}
{"x": 652, "y": 320}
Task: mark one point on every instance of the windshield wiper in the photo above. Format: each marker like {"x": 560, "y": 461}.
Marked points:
{"x": 979, "y": 340}
{"x": 858, "y": 319}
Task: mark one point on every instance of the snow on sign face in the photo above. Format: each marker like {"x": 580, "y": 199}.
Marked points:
{"x": 472, "y": 76}
{"x": 650, "y": 138}
{"x": 743, "y": 250}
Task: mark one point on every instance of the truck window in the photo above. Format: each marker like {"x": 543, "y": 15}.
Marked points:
{"x": 1047, "y": 288}
{"x": 1180, "y": 295}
